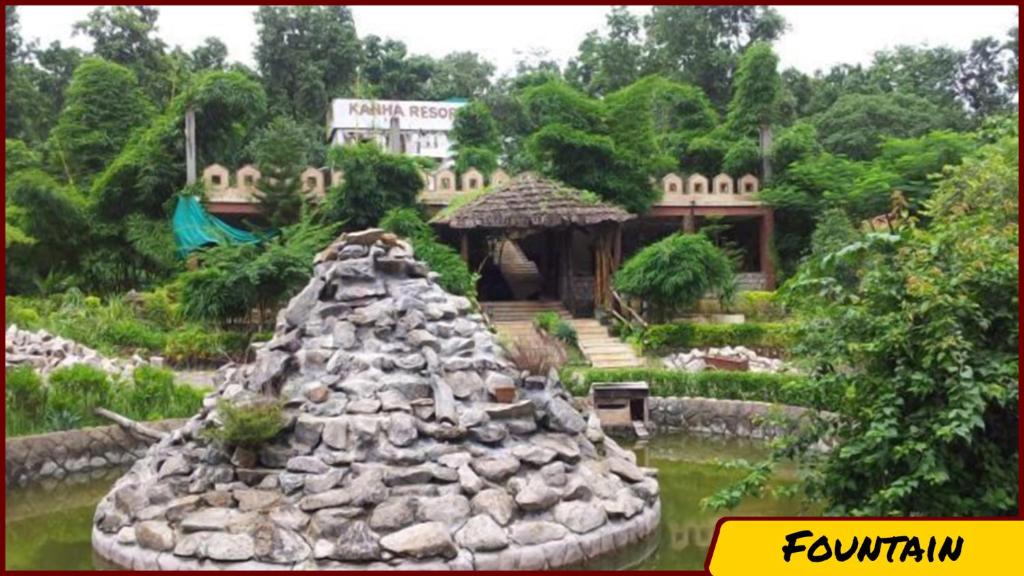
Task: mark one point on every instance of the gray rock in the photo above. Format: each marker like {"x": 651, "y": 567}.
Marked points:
{"x": 328, "y": 523}
{"x": 289, "y": 517}
{"x": 496, "y": 468}
{"x": 625, "y": 470}
{"x": 554, "y": 474}
{"x": 318, "y": 483}
{"x": 473, "y": 417}
{"x": 356, "y": 543}
{"x": 364, "y": 406}
{"x": 302, "y": 304}
{"x": 328, "y": 499}
{"x": 394, "y": 513}
{"x": 211, "y": 519}
{"x": 274, "y": 456}
{"x": 307, "y": 464}
{"x": 451, "y": 509}
{"x": 537, "y": 496}
{"x": 647, "y": 489}
{"x": 482, "y": 534}
{"x": 353, "y": 269}
{"x": 230, "y": 547}
{"x": 455, "y": 459}
{"x": 464, "y": 384}
{"x": 562, "y": 417}
{"x": 290, "y": 482}
{"x": 521, "y": 409}
{"x": 496, "y": 503}
{"x": 335, "y": 434}
{"x": 155, "y": 535}
{"x": 364, "y": 290}
{"x": 421, "y": 338}
{"x": 536, "y": 532}
{"x": 490, "y": 433}
{"x": 404, "y": 476}
{"x": 533, "y": 454}
{"x": 421, "y": 541}
{"x": 176, "y": 465}
{"x": 402, "y": 429}
{"x": 625, "y": 506}
{"x": 307, "y": 430}
{"x": 392, "y": 400}
{"x": 253, "y": 500}
{"x": 580, "y": 517}
{"x": 279, "y": 546}
{"x": 469, "y": 481}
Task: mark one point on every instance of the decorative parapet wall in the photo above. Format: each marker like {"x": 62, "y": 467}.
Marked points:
{"x": 443, "y": 185}
{"x": 221, "y": 186}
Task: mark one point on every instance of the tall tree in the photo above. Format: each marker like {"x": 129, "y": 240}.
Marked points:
{"x": 605, "y": 64}
{"x": 281, "y": 153}
{"x": 127, "y": 35}
{"x": 979, "y": 78}
{"x": 389, "y": 72}
{"x": 460, "y": 75}
{"x": 755, "y": 102}
{"x": 212, "y": 54}
{"x": 374, "y": 182}
{"x": 306, "y": 55}
{"x": 104, "y": 106}
{"x": 701, "y": 44}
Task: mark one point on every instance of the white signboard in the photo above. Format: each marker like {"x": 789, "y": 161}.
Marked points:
{"x": 349, "y": 114}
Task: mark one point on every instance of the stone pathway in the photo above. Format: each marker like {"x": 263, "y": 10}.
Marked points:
{"x": 602, "y": 349}
{"x": 514, "y": 319}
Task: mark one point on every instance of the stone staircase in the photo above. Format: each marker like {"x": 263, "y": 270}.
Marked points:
{"x": 515, "y": 318}
{"x": 602, "y": 349}
{"x": 519, "y": 271}
{"x": 512, "y": 319}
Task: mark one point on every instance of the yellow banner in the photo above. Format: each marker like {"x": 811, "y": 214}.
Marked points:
{"x": 797, "y": 547}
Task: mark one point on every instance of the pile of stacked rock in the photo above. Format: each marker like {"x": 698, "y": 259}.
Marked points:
{"x": 396, "y": 454}
{"x": 697, "y": 360}
{"x": 45, "y": 353}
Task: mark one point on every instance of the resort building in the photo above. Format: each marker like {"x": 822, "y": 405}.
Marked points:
{"x": 413, "y": 127}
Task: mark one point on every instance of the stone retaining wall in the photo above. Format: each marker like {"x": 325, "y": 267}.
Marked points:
{"x": 570, "y": 551}
{"x": 739, "y": 418}
{"x": 30, "y": 459}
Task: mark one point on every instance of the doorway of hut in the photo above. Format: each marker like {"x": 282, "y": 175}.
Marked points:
{"x": 519, "y": 267}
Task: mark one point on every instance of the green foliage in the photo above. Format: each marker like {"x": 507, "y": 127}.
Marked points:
{"x": 758, "y": 306}
{"x": 248, "y": 426}
{"x": 556, "y": 103}
{"x": 375, "y": 182}
{"x": 104, "y": 105}
{"x": 455, "y": 275}
{"x": 24, "y": 392}
{"x": 70, "y": 397}
{"x": 605, "y": 64}
{"x": 474, "y": 127}
{"x": 194, "y": 346}
{"x": 856, "y": 124}
{"x": 306, "y": 55}
{"x": 483, "y": 159}
{"x": 673, "y": 273}
{"x": 78, "y": 389}
{"x": 665, "y": 338}
{"x": 742, "y": 157}
{"x": 756, "y": 86}
{"x": 758, "y": 386}
{"x": 795, "y": 143}
{"x": 924, "y": 343}
{"x": 235, "y": 280}
{"x": 282, "y": 150}
{"x": 554, "y": 325}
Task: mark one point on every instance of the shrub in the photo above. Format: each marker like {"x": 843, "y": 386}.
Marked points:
{"x": 758, "y": 306}
{"x": 130, "y": 333}
{"x": 535, "y": 354}
{"x": 24, "y": 317}
{"x": 154, "y": 395}
{"x": 565, "y": 332}
{"x": 674, "y": 273}
{"x": 195, "y": 345}
{"x": 662, "y": 338}
{"x": 161, "y": 308}
{"x": 248, "y": 425}
{"x": 553, "y": 324}
{"x": 75, "y": 391}
{"x": 23, "y": 391}
{"x": 789, "y": 389}
{"x": 546, "y": 321}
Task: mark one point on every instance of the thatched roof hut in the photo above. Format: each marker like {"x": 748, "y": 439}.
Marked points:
{"x": 531, "y": 202}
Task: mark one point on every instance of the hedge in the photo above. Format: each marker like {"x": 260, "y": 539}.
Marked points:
{"x": 791, "y": 389}
{"x": 661, "y": 338}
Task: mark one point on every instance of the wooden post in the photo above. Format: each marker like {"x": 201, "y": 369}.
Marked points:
{"x": 617, "y": 250}
{"x": 190, "y": 146}
{"x": 765, "y": 253}
{"x": 570, "y": 284}
{"x": 689, "y": 223}
{"x": 464, "y": 246}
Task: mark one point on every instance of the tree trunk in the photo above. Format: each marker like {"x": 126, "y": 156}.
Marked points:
{"x": 766, "y": 153}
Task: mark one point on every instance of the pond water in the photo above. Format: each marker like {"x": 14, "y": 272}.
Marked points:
{"x": 48, "y": 526}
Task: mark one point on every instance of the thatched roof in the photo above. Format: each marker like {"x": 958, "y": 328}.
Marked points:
{"x": 529, "y": 201}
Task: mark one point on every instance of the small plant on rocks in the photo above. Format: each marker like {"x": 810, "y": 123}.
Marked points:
{"x": 247, "y": 425}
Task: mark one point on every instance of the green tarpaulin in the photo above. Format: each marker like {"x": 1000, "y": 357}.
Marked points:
{"x": 194, "y": 228}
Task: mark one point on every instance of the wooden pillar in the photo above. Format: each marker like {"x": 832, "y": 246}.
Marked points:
{"x": 689, "y": 223}
{"x": 617, "y": 248}
{"x": 464, "y": 246}
{"x": 567, "y": 256}
{"x": 767, "y": 232}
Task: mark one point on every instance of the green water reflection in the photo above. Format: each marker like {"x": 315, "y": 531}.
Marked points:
{"x": 48, "y": 526}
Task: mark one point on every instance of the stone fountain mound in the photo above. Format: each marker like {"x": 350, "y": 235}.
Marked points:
{"x": 397, "y": 453}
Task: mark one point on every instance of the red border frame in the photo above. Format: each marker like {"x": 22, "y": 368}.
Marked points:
{"x": 718, "y": 525}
